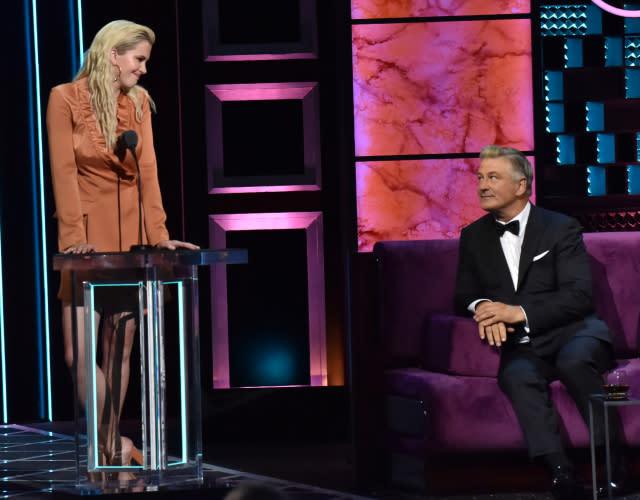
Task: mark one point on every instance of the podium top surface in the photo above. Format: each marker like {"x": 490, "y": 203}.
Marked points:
{"x": 148, "y": 259}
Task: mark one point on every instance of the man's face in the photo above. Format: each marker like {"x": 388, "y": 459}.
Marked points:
{"x": 497, "y": 190}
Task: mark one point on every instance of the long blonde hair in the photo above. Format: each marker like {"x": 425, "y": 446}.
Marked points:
{"x": 123, "y": 36}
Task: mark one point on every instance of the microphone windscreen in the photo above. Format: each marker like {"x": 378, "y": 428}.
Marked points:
{"x": 129, "y": 139}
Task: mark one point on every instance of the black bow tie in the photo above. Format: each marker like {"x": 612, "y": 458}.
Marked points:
{"x": 513, "y": 226}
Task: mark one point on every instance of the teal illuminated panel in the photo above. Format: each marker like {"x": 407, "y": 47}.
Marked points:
{"x": 632, "y": 24}
{"x": 595, "y": 116}
{"x": 563, "y": 20}
{"x": 553, "y": 82}
{"x": 597, "y": 181}
{"x": 633, "y": 179}
{"x": 594, "y": 20}
{"x": 566, "y": 149}
{"x": 555, "y": 117}
{"x": 613, "y": 51}
{"x": 637, "y": 146}
{"x": 632, "y": 51}
{"x": 632, "y": 83}
{"x": 573, "y": 53}
{"x": 606, "y": 148}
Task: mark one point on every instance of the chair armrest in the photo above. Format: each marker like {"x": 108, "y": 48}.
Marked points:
{"x": 451, "y": 345}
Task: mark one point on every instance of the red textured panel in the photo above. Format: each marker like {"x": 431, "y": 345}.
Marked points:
{"x": 413, "y": 200}
{"x": 442, "y": 87}
{"x": 370, "y": 9}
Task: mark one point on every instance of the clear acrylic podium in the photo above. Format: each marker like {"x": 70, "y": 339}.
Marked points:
{"x": 145, "y": 275}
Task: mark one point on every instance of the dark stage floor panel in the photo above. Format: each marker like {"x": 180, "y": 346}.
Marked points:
{"x": 37, "y": 463}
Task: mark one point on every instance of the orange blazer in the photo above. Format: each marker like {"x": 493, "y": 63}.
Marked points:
{"x": 95, "y": 192}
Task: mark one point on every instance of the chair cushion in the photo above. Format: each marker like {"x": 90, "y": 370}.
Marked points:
{"x": 465, "y": 414}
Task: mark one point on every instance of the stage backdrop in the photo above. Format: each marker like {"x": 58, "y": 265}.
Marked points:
{"x": 432, "y": 86}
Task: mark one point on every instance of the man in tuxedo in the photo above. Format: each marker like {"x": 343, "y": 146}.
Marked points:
{"x": 524, "y": 275}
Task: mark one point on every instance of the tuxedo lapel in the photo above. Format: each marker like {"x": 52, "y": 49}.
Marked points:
{"x": 533, "y": 233}
{"x": 495, "y": 252}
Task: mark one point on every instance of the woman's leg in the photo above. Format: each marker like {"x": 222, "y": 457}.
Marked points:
{"x": 118, "y": 333}
{"x": 81, "y": 366}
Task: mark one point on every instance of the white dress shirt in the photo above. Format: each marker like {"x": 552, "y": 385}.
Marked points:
{"x": 512, "y": 246}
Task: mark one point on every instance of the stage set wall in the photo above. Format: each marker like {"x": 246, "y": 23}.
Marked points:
{"x": 283, "y": 193}
{"x": 306, "y": 131}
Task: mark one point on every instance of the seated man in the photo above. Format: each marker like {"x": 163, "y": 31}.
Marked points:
{"x": 524, "y": 274}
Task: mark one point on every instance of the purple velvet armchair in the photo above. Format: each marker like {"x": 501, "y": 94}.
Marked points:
{"x": 441, "y": 392}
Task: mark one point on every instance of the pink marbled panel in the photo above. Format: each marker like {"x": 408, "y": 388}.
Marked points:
{"x": 415, "y": 199}
{"x": 442, "y": 87}
{"x": 371, "y": 9}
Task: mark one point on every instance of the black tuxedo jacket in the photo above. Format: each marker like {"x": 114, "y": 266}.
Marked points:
{"x": 554, "y": 280}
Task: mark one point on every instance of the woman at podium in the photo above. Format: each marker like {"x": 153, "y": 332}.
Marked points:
{"x": 95, "y": 186}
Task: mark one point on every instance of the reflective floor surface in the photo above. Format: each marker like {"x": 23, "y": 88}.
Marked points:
{"x": 38, "y": 463}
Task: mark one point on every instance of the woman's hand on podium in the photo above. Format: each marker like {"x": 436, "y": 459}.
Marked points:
{"x": 80, "y": 248}
{"x": 175, "y": 244}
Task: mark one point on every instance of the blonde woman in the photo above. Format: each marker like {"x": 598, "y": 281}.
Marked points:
{"x": 96, "y": 197}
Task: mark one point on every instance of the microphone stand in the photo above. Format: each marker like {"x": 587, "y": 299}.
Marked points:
{"x": 139, "y": 247}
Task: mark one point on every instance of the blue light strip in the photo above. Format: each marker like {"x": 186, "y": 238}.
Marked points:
{"x": 28, "y": 45}
{"x": 42, "y": 224}
{"x": 93, "y": 413}
{"x": 80, "y": 37}
{"x": 72, "y": 35}
{"x": 35, "y": 124}
{"x": 2, "y": 347}
{"x": 183, "y": 374}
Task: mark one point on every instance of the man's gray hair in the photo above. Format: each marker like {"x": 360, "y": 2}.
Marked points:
{"x": 521, "y": 167}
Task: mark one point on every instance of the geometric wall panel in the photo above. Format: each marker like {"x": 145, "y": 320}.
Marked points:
{"x": 591, "y": 103}
{"x": 610, "y": 220}
{"x": 246, "y": 30}
{"x": 315, "y": 324}
{"x": 372, "y": 9}
{"x": 564, "y": 20}
{"x": 442, "y": 87}
{"x": 416, "y": 199}
{"x": 249, "y": 151}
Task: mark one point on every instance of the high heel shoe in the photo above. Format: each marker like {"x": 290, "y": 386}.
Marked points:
{"x": 135, "y": 455}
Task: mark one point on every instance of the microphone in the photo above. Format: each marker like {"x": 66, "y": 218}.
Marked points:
{"x": 129, "y": 139}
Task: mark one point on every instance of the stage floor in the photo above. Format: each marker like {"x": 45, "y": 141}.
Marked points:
{"x": 37, "y": 464}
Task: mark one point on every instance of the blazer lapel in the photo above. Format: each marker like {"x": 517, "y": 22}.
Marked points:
{"x": 533, "y": 232}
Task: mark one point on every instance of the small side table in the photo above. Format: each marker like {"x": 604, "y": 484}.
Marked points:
{"x": 601, "y": 399}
